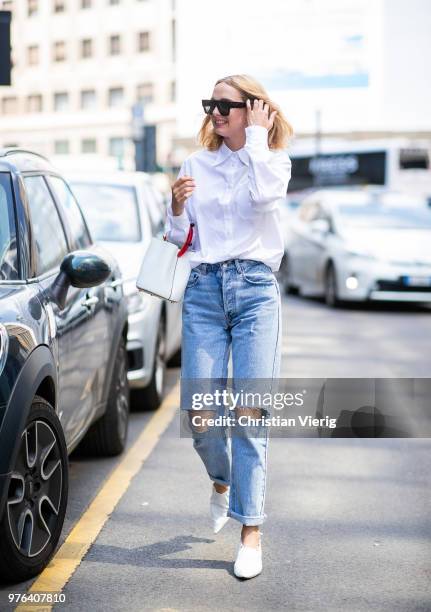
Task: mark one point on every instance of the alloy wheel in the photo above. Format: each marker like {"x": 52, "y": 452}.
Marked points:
{"x": 34, "y": 494}
{"x": 160, "y": 359}
{"x": 122, "y": 401}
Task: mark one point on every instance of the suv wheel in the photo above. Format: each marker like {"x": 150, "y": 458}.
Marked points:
{"x": 108, "y": 435}
{"x": 37, "y": 496}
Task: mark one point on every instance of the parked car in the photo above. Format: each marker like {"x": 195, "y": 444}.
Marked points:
{"x": 63, "y": 377}
{"x": 289, "y": 209}
{"x": 361, "y": 244}
{"x": 124, "y": 211}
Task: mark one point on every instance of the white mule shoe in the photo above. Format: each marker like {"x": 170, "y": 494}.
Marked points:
{"x": 219, "y": 505}
{"x": 248, "y": 562}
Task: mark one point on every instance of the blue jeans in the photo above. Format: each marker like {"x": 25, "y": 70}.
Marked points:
{"x": 233, "y": 305}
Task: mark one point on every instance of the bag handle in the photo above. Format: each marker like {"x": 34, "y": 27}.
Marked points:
{"x": 187, "y": 243}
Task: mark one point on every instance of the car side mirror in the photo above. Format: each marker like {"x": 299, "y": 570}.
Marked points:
{"x": 78, "y": 269}
{"x": 320, "y": 225}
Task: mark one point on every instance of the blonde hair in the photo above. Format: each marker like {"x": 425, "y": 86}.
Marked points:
{"x": 248, "y": 87}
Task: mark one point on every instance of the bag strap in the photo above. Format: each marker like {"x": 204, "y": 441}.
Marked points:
{"x": 187, "y": 243}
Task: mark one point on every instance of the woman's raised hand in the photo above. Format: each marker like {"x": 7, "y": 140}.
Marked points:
{"x": 181, "y": 190}
{"x": 258, "y": 114}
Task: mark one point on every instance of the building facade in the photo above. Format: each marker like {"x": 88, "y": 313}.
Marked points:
{"x": 79, "y": 67}
{"x": 349, "y": 69}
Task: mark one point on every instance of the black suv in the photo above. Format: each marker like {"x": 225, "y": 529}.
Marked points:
{"x": 63, "y": 370}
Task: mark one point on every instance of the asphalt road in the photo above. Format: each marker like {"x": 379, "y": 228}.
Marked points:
{"x": 349, "y": 520}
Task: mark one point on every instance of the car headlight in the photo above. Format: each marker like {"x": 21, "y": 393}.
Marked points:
{"x": 4, "y": 346}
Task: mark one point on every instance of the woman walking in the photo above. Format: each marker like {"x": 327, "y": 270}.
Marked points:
{"x": 231, "y": 190}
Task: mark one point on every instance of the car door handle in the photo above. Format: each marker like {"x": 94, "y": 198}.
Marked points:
{"x": 120, "y": 281}
{"x": 89, "y": 302}
{"x": 116, "y": 283}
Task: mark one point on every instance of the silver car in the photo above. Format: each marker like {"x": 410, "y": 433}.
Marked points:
{"x": 360, "y": 244}
{"x": 124, "y": 210}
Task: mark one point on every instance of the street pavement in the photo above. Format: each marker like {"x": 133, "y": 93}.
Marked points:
{"x": 349, "y": 520}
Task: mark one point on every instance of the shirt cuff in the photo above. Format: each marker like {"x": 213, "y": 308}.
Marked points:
{"x": 256, "y": 136}
{"x": 178, "y": 221}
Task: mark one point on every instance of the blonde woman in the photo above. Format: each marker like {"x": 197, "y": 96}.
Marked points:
{"x": 231, "y": 190}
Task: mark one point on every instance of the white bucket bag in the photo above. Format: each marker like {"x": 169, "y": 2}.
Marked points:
{"x": 165, "y": 269}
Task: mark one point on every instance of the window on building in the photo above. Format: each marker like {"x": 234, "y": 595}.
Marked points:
{"x": 145, "y": 93}
{"x": 85, "y": 4}
{"x": 59, "y": 6}
{"x": 88, "y": 145}
{"x": 173, "y": 91}
{"x": 61, "y": 101}
{"x": 32, "y": 7}
{"x": 33, "y": 55}
{"x": 59, "y": 51}
{"x": 143, "y": 41}
{"x": 61, "y": 147}
{"x": 88, "y": 98}
{"x": 86, "y": 47}
{"x": 117, "y": 146}
{"x": 48, "y": 231}
{"x": 114, "y": 44}
{"x": 9, "y": 105}
{"x": 116, "y": 96}
{"x": 34, "y": 103}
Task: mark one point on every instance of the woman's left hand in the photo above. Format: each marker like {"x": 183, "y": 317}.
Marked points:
{"x": 258, "y": 114}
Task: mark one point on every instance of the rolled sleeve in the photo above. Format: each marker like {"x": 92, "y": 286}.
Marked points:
{"x": 269, "y": 171}
{"x": 177, "y": 226}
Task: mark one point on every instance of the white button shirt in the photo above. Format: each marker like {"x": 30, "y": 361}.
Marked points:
{"x": 236, "y": 202}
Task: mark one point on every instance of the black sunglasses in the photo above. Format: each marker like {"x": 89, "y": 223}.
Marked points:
{"x": 223, "y": 106}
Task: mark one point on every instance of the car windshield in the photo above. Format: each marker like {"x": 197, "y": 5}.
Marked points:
{"x": 383, "y": 216}
{"x": 111, "y": 211}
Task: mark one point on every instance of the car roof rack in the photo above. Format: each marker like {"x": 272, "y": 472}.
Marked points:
{"x": 4, "y": 152}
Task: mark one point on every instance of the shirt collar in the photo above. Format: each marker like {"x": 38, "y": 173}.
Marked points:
{"x": 223, "y": 152}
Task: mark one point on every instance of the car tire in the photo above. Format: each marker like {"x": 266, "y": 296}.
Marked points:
{"x": 108, "y": 435}
{"x": 175, "y": 360}
{"x": 151, "y": 396}
{"x": 288, "y": 288}
{"x": 37, "y": 496}
{"x": 331, "y": 289}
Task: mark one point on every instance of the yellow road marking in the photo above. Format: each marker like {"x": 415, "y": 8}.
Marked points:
{"x": 69, "y": 556}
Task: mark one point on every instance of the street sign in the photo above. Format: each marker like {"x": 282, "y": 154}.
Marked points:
{"x": 146, "y": 150}
{"x": 138, "y": 120}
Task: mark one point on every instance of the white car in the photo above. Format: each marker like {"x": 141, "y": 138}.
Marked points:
{"x": 361, "y": 244}
{"x": 123, "y": 211}
{"x": 289, "y": 209}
